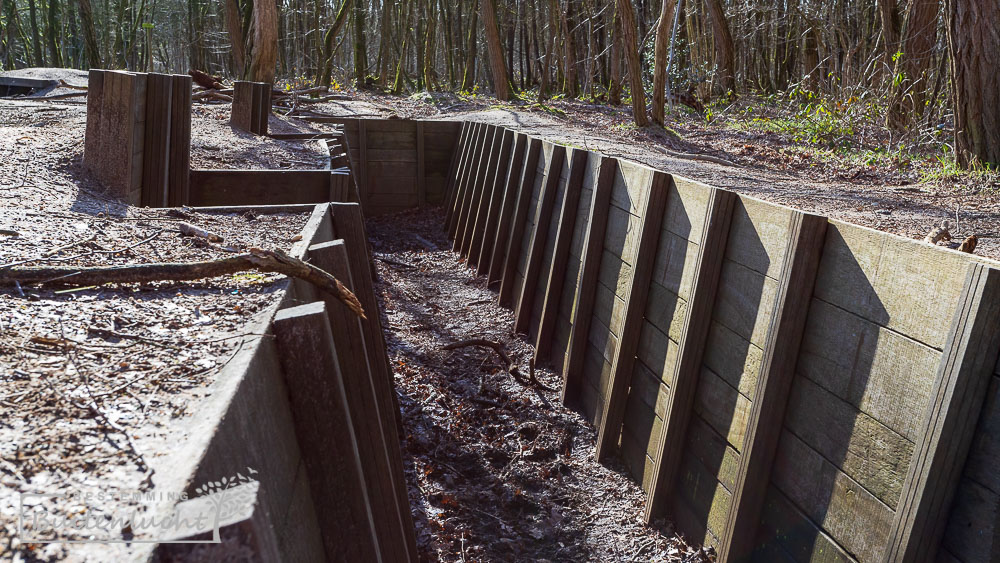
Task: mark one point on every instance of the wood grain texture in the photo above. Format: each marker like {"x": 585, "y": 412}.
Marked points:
{"x": 512, "y": 257}
{"x": 797, "y": 273}
{"x": 454, "y": 169}
{"x": 324, "y": 428}
{"x": 483, "y": 144}
{"x": 421, "y": 167}
{"x": 258, "y": 187}
{"x": 179, "y": 180}
{"x": 156, "y": 145}
{"x": 654, "y": 202}
{"x": 593, "y": 247}
{"x": 455, "y": 177}
{"x": 688, "y": 366}
{"x": 539, "y": 238}
{"x": 480, "y": 204}
{"x": 967, "y": 365}
{"x": 486, "y": 225}
{"x": 557, "y": 272}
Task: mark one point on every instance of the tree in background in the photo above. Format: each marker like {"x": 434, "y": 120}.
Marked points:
{"x": 501, "y": 87}
{"x": 974, "y": 41}
{"x": 627, "y": 15}
{"x": 663, "y": 31}
{"x": 264, "y": 54}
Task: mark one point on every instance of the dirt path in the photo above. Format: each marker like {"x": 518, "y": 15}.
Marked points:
{"x": 497, "y": 471}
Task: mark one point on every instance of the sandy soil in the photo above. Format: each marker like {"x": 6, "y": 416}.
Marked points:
{"x": 497, "y": 470}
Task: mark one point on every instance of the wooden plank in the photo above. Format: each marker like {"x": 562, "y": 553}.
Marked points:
{"x": 593, "y": 247}
{"x": 555, "y": 278}
{"x": 521, "y": 208}
{"x": 539, "y": 237}
{"x": 258, "y": 187}
{"x": 498, "y": 153}
{"x": 458, "y": 190}
{"x": 95, "y": 106}
{"x": 510, "y": 192}
{"x": 179, "y": 180}
{"x": 325, "y": 432}
{"x": 712, "y": 247}
{"x": 478, "y": 210}
{"x": 483, "y": 246}
{"x": 156, "y": 145}
{"x": 471, "y": 186}
{"x": 970, "y": 356}
{"x": 363, "y": 162}
{"x": 654, "y": 205}
{"x": 386, "y": 482}
{"x": 777, "y": 371}
{"x": 421, "y": 170}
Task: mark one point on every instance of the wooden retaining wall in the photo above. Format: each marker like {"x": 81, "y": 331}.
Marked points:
{"x": 311, "y": 407}
{"x": 784, "y": 386}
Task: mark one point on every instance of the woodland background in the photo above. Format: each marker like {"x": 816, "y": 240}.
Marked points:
{"x": 922, "y": 72}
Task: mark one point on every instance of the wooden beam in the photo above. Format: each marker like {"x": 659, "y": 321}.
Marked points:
{"x": 363, "y": 195}
{"x": 470, "y": 186}
{"x": 510, "y": 191}
{"x": 555, "y": 278}
{"x": 539, "y": 238}
{"x": 519, "y": 221}
{"x": 179, "y": 181}
{"x": 325, "y": 432}
{"x": 461, "y": 181}
{"x": 967, "y": 364}
{"x": 590, "y": 266}
{"x": 489, "y": 208}
{"x": 421, "y": 167}
{"x": 670, "y": 443}
{"x": 453, "y": 170}
{"x": 490, "y": 149}
{"x": 156, "y": 145}
{"x": 378, "y": 447}
{"x": 258, "y": 187}
{"x": 635, "y": 308}
{"x": 774, "y": 382}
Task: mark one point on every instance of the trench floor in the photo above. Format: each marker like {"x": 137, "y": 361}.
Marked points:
{"x": 496, "y": 470}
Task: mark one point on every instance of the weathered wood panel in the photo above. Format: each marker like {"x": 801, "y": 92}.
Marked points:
{"x": 258, "y": 187}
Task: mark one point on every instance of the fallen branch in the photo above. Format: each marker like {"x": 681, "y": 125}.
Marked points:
{"x": 58, "y": 96}
{"x": 205, "y": 79}
{"x": 211, "y": 95}
{"x": 190, "y": 230}
{"x": 256, "y": 259}
{"x": 499, "y": 349}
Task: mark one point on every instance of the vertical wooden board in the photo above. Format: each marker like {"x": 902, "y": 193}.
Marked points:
{"x": 137, "y": 136}
{"x": 539, "y": 181}
{"x": 179, "y": 180}
{"x": 549, "y": 227}
{"x": 482, "y": 192}
{"x": 363, "y": 193}
{"x": 471, "y": 187}
{"x": 522, "y": 207}
{"x": 583, "y": 303}
{"x": 156, "y": 146}
{"x": 242, "y": 102}
{"x": 94, "y": 135}
{"x": 421, "y": 167}
{"x": 712, "y": 245}
{"x": 949, "y": 422}
{"x": 901, "y": 284}
{"x": 483, "y": 237}
{"x": 455, "y": 168}
{"x": 510, "y": 192}
{"x": 461, "y": 181}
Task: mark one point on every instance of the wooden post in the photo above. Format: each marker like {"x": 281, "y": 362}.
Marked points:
{"x": 519, "y": 222}
{"x": 539, "y": 238}
{"x": 967, "y": 363}
{"x": 556, "y": 276}
{"x": 156, "y": 144}
{"x": 325, "y": 432}
{"x": 453, "y": 170}
{"x": 93, "y": 137}
{"x": 712, "y": 249}
{"x": 590, "y": 266}
{"x": 469, "y": 185}
{"x": 774, "y": 381}
{"x": 462, "y": 180}
{"x": 493, "y": 164}
{"x": 635, "y": 308}
{"x": 482, "y": 242}
{"x": 115, "y": 152}
{"x": 421, "y": 172}
{"x": 510, "y": 191}
{"x": 381, "y": 458}
{"x": 251, "y": 106}
{"x": 493, "y": 136}
{"x": 363, "y": 191}
{"x": 179, "y": 180}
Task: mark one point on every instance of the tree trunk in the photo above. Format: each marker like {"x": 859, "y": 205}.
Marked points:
{"x": 973, "y": 42}
{"x": 615, "y": 83}
{"x": 52, "y": 33}
{"x": 569, "y": 51}
{"x": 501, "y": 87}
{"x": 723, "y": 47}
{"x": 264, "y": 59}
{"x": 627, "y": 16}
{"x": 430, "y": 83}
{"x": 468, "y": 80}
{"x": 328, "y": 40}
{"x": 660, "y": 48}
{"x": 90, "y": 46}
{"x": 360, "y": 49}
{"x": 36, "y": 38}
{"x": 889, "y": 17}
{"x": 234, "y": 26}
{"x": 910, "y": 76}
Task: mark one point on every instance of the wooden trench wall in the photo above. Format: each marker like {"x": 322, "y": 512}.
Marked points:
{"x": 785, "y": 387}
{"x": 311, "y": 407}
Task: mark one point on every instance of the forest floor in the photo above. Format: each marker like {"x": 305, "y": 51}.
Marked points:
{"x": 497, "y": 471}
{"x": 834, "y": 168}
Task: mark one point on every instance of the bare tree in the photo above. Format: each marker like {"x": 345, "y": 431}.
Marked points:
{"x": 627, "y": 15}
{"x": 974, "y": 41}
